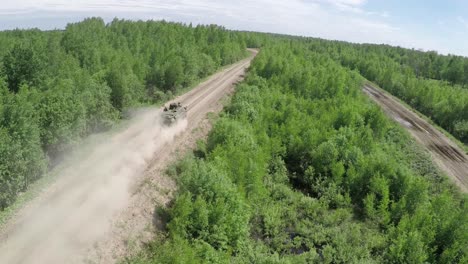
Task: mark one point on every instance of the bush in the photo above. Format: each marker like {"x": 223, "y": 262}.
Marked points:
{"x": 209, "y": 209}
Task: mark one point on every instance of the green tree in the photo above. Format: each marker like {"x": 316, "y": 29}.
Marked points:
{"x": 21, "y": 158}
{"x": 22, "y": 66}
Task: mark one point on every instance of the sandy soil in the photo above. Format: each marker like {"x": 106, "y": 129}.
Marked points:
{"x": 104, "y": 207}
{"x": 446, "y": 154}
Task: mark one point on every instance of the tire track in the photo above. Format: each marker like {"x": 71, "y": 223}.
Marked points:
{"x": 446, "y": 154}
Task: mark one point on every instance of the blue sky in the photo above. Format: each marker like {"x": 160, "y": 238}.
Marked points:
{"x": 429, "y": 25}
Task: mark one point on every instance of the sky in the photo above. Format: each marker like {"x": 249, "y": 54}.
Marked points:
{"x": 440, "y": 25}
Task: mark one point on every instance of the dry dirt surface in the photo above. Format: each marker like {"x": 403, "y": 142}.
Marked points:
{"x": 103, "y": 208}
{"x": 446, "y": 154}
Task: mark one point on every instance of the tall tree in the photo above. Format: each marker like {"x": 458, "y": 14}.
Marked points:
{"x": 22, "y": 66}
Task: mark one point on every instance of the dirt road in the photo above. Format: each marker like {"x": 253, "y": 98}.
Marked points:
{"x": 104, "y": 205}
{"x": 446, "y": 154}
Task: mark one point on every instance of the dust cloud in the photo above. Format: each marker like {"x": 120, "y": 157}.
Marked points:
{"x": 75, "y": 212}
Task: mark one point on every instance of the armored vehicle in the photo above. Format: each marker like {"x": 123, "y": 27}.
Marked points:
{"x": 175, "y": 112}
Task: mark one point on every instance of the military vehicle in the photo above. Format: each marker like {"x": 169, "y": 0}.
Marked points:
{"x": 175, "y": 112}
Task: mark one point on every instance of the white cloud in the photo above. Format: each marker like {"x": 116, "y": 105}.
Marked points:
{"x": 294, "y": 16}
{"x": 463, "y": 22}
{"x": 332, "y": 19}
{"x": 349, "y": 3}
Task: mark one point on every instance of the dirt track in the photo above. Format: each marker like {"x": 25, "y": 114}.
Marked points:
{"x": 103, "y": 206}
{"x": 447, "y": 155}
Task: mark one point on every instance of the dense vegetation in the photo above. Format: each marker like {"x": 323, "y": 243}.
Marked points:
{"x": 58, "y": 86}
{"x": 300, "y": 168}
{"x": 303, "y": 168}
{"x": 433, "y": 84}
{"x": 431, "y": 65}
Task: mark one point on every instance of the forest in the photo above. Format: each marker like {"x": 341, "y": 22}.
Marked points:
{"x": 57, "y": 87}
{"x": 435, "y": 85}
{"x": 300, "y": 167}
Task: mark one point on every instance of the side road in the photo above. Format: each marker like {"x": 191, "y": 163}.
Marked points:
{"x": 446, "y": 154}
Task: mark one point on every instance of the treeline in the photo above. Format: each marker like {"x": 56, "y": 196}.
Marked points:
{"x": 433, "y": 84}
{"x": 430, "y": 64}
{"x": 58, "y": 86}
{"x": 303, "y": 168}
{"x": 427, "y": 64}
